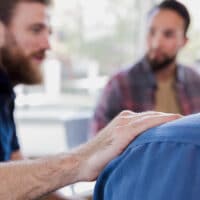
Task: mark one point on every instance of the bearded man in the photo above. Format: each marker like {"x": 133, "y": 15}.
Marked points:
{"x": 157, "y": 82}
{"x": 26, "y": 41}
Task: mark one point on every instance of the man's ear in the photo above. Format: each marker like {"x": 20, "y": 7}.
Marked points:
{"x": 185, "y": 41}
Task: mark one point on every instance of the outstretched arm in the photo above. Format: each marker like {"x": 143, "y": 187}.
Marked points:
{"x": 30, "y": 179}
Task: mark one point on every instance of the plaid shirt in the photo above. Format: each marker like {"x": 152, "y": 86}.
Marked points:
{"x": 135, "y": 88}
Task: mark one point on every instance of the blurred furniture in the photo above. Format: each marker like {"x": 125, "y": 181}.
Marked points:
{"x": 77, "y": 130}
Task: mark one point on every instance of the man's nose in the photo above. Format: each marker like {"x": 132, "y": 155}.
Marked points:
{"x": 157, "y": 40}
{"x": 45, "y": 42}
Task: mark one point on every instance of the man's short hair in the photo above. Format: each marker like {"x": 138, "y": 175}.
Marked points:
{"x": 177, "y": 7}
{"x": 7, "y": 8}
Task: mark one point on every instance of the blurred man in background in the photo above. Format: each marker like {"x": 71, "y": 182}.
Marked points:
{"x": 157, "y": 81}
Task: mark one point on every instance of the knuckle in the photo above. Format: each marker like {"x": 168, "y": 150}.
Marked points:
{"x": 125, "y": 112}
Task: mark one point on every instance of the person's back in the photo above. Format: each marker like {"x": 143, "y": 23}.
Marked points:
{"x": 161, "y": 164}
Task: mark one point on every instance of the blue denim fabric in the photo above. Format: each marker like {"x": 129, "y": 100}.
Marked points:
{"x": 8, "y": 138}
{"x": 161, "y": 164}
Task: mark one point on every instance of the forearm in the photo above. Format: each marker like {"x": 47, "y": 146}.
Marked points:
{"x": 31, "y": 179}
{"x": 28, "y": 179}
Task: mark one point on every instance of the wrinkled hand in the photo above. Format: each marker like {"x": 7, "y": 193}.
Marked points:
{"x": 114, "y": 138}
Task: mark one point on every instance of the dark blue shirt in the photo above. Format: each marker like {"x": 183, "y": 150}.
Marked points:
{"x": 161, "y": 164}
{"x": 8, "y": 139}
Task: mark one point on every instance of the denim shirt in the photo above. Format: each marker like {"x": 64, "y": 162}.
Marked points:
{"x": 8, "y": 139}
{"x": 161, "y": 164}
